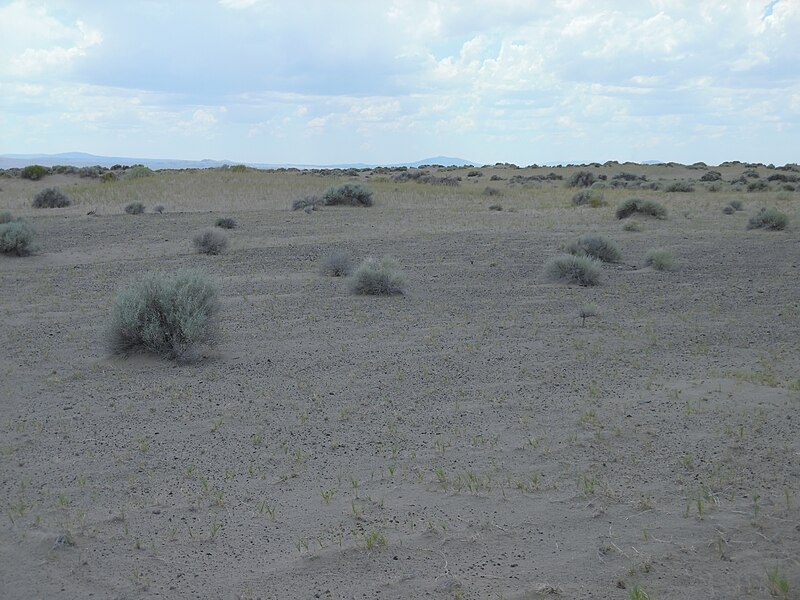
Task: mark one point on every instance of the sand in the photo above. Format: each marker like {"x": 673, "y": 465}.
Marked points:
{"x": 470, "y": 439}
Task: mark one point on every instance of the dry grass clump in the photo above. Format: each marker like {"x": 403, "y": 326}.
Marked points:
{"x": 338, "y": 264}
{"x": 168, "y": 315}
{"x": 51, "y": 198}
{"x": 134, "y": 208}
{"x": 308, "y": 203}
{"x": 679, "y": 186}
{"x": 632, "y": 226}
{"x": 581, "y": 179}
{"x": 226, "y": 223}
{"x": 641, "y": 206}
{"x": 378, "y": 278}
{"x": 210, "y": 241}
{"x": 660, "y": 259}
{"x": 597, "y": 246}
{"x": 16, "y": 237}
{"x": 568, "y": 268}
{"x": 768, "y": 218}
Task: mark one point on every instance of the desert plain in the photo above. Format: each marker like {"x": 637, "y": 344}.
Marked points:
{"x": 472, "y": 438}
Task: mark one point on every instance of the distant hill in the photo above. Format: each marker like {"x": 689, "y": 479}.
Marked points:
{"x": 82, "y": 159}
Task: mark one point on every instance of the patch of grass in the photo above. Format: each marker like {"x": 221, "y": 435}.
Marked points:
{"x": 51, "y": 198}
{"x": 16, "y": 238}
{"x": 168, "y": 315}
{"x": 568, "y": 268}
{"x": 660, "y": 259}
{"x": 490, "y": 191}
{"x": 768, "y": 218}
{"x": 134, "y": 208}
{"x": 638, "y": 593}
{"x": 647, "y": 207}
{"x": 338, "y": 264}
{"x": 758, "y": 186}
{"x": 778, "y": 583}
{"x": 210, "y": 241}
{"x": 632, "y": 226}
{"x": 348, "y": 194}
{"x": 378, "y": 278}
{"x": 226, "y": 223}
{"x": 597, "y": 246}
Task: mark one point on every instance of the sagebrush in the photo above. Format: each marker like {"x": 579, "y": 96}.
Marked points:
{"x": 338, "y": 264}
{"x": 169, "y": 315}
{"x": 568, "y": 268}
{"x": 210, "y": 241}
{"x": 16, "y": 238}
{"x": 378, "y": 278}
{"x": 597, "y": 246}
{"x": 51, "y": 198}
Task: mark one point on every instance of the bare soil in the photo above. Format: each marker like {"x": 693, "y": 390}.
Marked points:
{"x": 470, "y": 439}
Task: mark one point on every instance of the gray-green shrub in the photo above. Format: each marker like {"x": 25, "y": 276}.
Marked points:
{"x": 16, "y": 238}
{"x": 660, "y": 259}
{"x": 171, "y": 316}
{"x": 639, "y": 206}
{"x": 348, "y": 194}
{"x": 728, "y": 209}
{"x": 679, "y": 186}
{"x": 592, "y": 197}
{"x": 134, "y": 208}
{"x": 581, "y": 179}
{"x": 308, "y": 202}
{"x": 6, "y": 217}
{"x": 595, "y": 245}
{"x": 736, "y": 204}
{"x": 138, "y": 172}
{"x": 51, "y": 198}
{"x": 33, "y": 172}
{"x": 226, "y": 223}
{"x": 210, "y": 241}
{"x": 768, "y": 218}
{"x": 632, "y": 226}
{"x": 338, "y": 264}
{"x": 158, "y": 209}
{"x": 378, "y": 278}
{"x": 568, "y": 268}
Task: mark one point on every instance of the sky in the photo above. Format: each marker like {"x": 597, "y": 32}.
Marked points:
{"x": 388, "y": 81}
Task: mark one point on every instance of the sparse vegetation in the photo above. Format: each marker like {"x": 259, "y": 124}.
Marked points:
{"x": 597, "y": 246}
{"x": 646, "y": 207}
{"x": 308, "y": 203}
{"x": 679, "y": 186}
{"x": 16, "y": 237}
{"x": 378, "y": 278}
{"x": 226, "y": 223}
{"x": 632, "y": 226}
{"x": 51, "y": 198}
{"x": 586, "y": 311}
{"x": 158, "y": 209}
{"x": 168, "y": 315}
{"x": 660, "y": 259}
{"x": 568, "y": 268}
{"x": 210, "y": 241}
{"x": 768, "y": 218}
{"x": 6, "y": 217}
{"x": 134, "y": 208}
{"x": 348, "y": 194}
{"x": 138, "y": 172}
{"x": 338, "y": 264}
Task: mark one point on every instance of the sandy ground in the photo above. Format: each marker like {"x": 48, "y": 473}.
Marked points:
{"x": 467, "y": 440}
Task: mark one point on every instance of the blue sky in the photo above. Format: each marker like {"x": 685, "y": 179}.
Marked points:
{"x": 316, "y": 81}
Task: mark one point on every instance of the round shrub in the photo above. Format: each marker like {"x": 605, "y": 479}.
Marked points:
{"x": 758, "y": 186}
{"x": 568, "y": 268}
{"x": 226, "y": 223}
{"x": 134, "y": 208}
{"x": 648, "y": 207}
{"x": 660, "y": 259}
{"x": 592, "y": 197}
{"x": 51, "y": 198}
{"x": 597, "y": 246}
{"x": 728, "y": 209}
{"x": 581, "y": 179}
{"x": 210, "y": 241}
{"x": 349, "y": 194}
{"x": 679, "y": 186}
{"x": 736, "y": 205}
{"x": 378, "y": 278}
{"x": 33, "y": 172}
{"x": 138, "y": 172}
{"x": 338, "y": 264}
{"x": 168, "y": 315}
{"x": 16, "y": 238}
{"x": 108, "y": 177}
{"x": 768, "y": 218}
